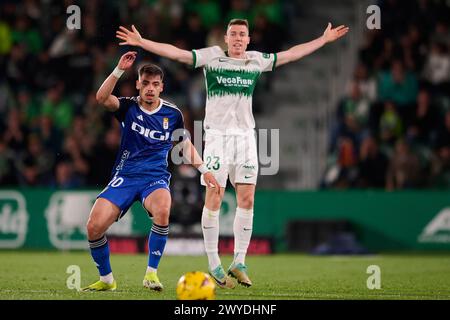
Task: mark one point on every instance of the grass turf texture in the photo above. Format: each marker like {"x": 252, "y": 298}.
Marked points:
{"x": 42, "y": 275}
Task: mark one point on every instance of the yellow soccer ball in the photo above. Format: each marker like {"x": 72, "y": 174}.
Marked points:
{"x": 196, "y": 285}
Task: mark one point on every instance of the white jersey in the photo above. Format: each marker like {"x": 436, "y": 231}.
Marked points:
{"x": 229, "y": 87}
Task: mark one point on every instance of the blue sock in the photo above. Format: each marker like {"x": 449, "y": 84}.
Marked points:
{"x": 100, "y": 254}
{"x": 156, "y": 243}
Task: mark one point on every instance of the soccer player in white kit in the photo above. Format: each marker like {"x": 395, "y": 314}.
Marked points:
{"x": 230, "y": 144}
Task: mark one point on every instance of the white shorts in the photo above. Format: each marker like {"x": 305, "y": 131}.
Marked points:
{"x": 233, "y": 156}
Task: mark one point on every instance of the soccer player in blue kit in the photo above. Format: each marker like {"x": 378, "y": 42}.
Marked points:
{"x": 149, "y": 127}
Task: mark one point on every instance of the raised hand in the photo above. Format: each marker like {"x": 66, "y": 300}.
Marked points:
{"x": 131, "y": 38}
{"x": 331, "y": 35}
{"x": 127, "y": 60}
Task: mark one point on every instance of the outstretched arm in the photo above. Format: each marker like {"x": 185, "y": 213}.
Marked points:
{"x": 133, "y": 38}
{"x": 192, "y": 157}
{"x": 104, "y": 96}
{"x": 299, "y": 51}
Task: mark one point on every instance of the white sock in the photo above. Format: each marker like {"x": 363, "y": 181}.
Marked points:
{"x": 242, "y": 227}
{"x": 210, "y": 228}
{"x": 150, "y": 269}
{"x": 109, "y": 279}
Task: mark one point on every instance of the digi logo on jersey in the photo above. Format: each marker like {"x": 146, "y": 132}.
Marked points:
{"x": 152, "y": 134}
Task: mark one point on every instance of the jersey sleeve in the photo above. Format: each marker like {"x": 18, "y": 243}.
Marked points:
{"x": 124, "y": 106}
{"x": 267, "y": 61}
{"x": 179, "y": 128}
{"x": 203, "y": 56}
{"x": 180, "y": 121}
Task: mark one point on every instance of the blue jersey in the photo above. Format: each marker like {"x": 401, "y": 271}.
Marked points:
{"x": 146, "y": 138}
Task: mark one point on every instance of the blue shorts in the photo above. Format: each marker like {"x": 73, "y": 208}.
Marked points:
{"x": 124, "y": 191}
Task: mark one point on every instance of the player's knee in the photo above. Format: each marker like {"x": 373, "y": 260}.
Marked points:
{"x": 161, "y": 214}
{"x": 214, "y": 201}
{"x": 94, "y": 229}
{"x": 246, "y": 201}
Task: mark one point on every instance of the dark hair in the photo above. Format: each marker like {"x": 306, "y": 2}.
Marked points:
{"x": 239, "y": 22}
{"x": 151, "y": 70}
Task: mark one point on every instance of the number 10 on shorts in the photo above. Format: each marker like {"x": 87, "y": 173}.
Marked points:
{"x": 115, "y": 182}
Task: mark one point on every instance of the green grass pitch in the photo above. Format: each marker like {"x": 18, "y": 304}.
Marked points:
{"x": 42, "y": 275}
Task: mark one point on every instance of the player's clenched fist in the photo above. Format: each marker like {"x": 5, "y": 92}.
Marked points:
{"x": 127, "y": 60}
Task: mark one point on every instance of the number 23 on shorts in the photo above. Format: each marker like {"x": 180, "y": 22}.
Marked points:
{"x": 213, "y": 162}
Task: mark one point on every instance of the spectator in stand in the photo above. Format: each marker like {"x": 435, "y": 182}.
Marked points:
{"x": 352, "y": 116}
{"x": 57, "y": 107}
{"x": 238, "y": 10}
{"x": 7, "y": 102}
{"x": 412, "y": 49}
{"x": 268, "y": 8}
{"x": 404, "y": 171}
{"x": 73, "y": 153}
{"x": 372, "y": 165}
{"x": 399, "y": 86}
{"x": 371, "y": 49}
{"x": 437, "y": 68}
{"x": 23, "y": 32}
{"x": 384, "y": 58}
{"x": 391, "y": 125}
{"x": 18, "y": 67}
{"x": 95, "y": 118}
{"x": 215, "y": 37}
{"x": 5, "y": 38}
{"x": 79, "y": 63}
{"x": 29, "y": 108}
{"x": 195, "y": 33}
{"x": 367, "y": 84}
{"x": 423, "y": 120}
{"x": 50, "y": 136}
{"x": 208, "y": 12}
{"x": 35, "y": 163}
{"x": 7, "y": 166}
{"x": 442, "y": 140}
{"x": 266, "y": 36}
{"x": 441, "y": 32}
{"x": 440, "y": 162}
{"x": 16, "y": 133}
{"x": 344, "y": 174}
{"x": 65, "y": 178}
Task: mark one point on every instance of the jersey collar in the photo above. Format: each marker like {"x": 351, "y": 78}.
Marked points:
{"x": 228, "y": 56}
{"x": 151, "y": 112}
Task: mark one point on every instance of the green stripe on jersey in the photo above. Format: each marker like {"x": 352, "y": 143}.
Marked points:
{"x": 274, "y": 61}
{"x": 194, "y": 58}
{"x": 222, "y": 82}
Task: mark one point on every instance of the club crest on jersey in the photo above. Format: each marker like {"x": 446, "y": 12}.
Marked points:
{"x": 152, "y": 134}
{"x": 166, "y": 123}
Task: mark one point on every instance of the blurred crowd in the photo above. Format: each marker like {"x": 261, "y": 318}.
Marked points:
{"x": 52, "y": 131}
{"x": 392, "y": 129}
